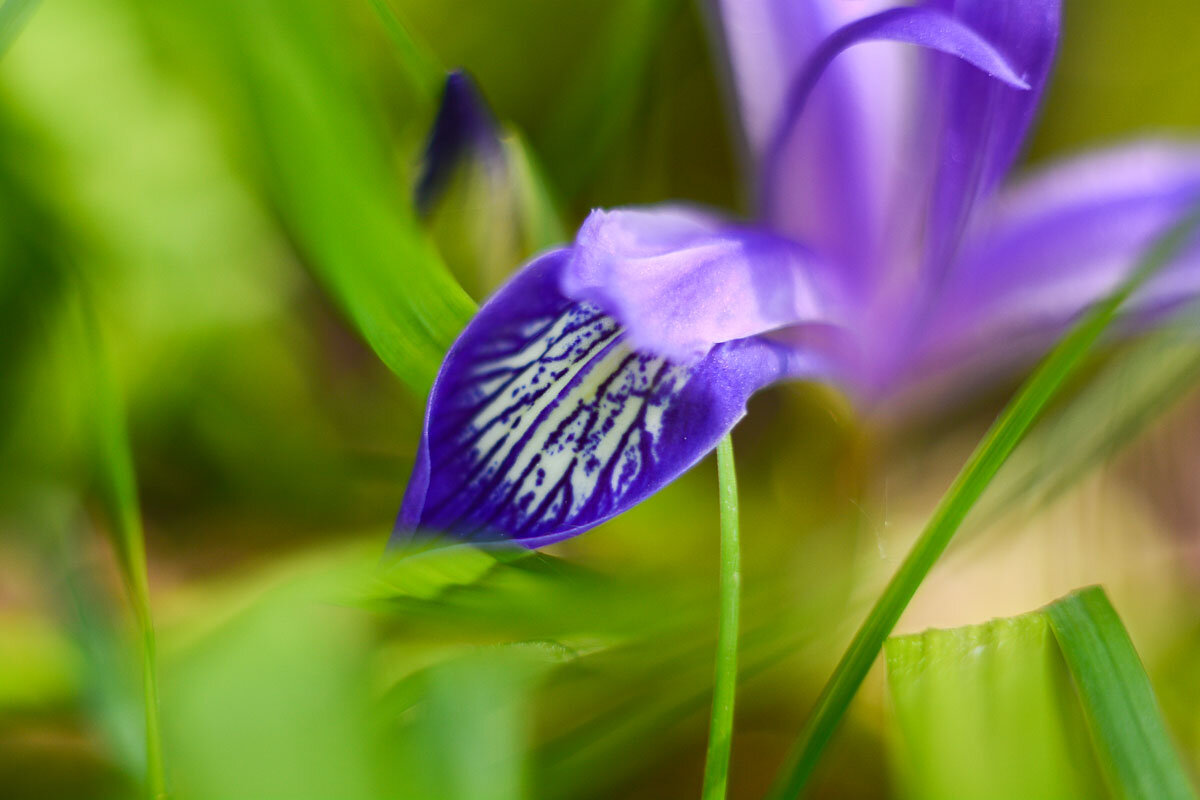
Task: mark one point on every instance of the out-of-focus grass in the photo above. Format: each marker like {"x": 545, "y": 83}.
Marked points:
{"x": 233, "y": 180}
{"x": 329, "y": 175}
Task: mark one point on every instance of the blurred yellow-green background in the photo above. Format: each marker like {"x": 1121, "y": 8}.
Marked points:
{"x": 205, "y": 214}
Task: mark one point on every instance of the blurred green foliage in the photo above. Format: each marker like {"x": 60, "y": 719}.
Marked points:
{"x": 229, "y": 183}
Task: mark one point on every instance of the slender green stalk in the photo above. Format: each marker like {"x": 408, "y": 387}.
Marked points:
{"x": 984, "y": 463}
{"x": 720, "y": 728}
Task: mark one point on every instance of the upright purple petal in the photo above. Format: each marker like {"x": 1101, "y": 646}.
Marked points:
{"x": 1062, "y": 239}
{"x": 928, "y": 28}
{"x": 835, "y": 166}
{"x": 976, "y": 126}
{"x": 544, "y": 421}
{"x": 681, "y": 281}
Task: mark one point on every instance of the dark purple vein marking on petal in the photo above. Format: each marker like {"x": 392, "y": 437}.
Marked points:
{"x": 645, "y": 445}
{"x": 457, "y": 418}
{"x": 571, "y": 441}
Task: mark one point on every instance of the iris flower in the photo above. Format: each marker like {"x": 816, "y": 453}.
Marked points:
{"x": 886, "y": 251}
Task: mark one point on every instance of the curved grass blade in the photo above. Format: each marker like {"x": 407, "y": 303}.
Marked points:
{"x": 117, "y": 487}
{"x": 1118, "y": 404}
{"x": 327, "y": 168}
{"x": 995, "y": 448}
{"x": 720, "y": 729}
{"x": 1123, "y": 715}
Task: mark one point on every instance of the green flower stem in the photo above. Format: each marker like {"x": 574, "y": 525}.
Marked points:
{"x": 720, "y": 729}
{"x": 999, "y": 442}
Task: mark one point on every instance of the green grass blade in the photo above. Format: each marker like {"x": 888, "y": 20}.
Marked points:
{"x": 116, "y": 483}
{"x": 309, "y": 122}
{"x": 976, "y": 475}
{"x": 987, "y": 712}
{"x": 1116, "y": 406}
{"x": 720, "y": 729}
{"x": 1123, "y": 715}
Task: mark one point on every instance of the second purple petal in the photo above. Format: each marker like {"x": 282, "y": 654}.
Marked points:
{"x": 1059, "y": 241}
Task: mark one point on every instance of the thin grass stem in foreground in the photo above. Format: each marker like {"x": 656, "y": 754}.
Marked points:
{"x": 720, "y": 729}
{"x": 999, "y": 442}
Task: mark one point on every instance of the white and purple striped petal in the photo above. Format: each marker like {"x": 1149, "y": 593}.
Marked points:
{"x": 545, "y": 421}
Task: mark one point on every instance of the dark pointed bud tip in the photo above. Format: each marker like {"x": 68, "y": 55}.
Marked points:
{"x": 464, "y": 126}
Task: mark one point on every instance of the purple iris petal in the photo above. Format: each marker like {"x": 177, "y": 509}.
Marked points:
{"x": 681, "y": 281}
{"x": 603, "y": 371}
{"x": 544, "y": 421}
{"x": 976, "y": 126}
{"x": 1060, "y": 240}
{"x": 924, "y": 27}
{"x": 837, "y": 156}
{"x": 463, "y": 126}
{"x": 928, "y": 28}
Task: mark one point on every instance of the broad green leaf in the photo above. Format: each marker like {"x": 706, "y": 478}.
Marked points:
{"x": 987, "y": 712}
{"x": 976, "y": 475}
{"x": 299, "y": 692}
{"x": 1123, "y": 715}
{"x": 1007, "y": 709}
